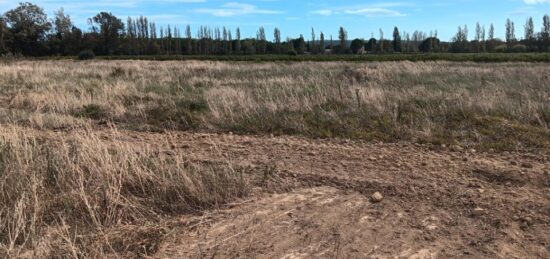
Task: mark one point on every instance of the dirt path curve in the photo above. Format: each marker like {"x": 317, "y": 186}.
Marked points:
{"x": 438, "y": 202}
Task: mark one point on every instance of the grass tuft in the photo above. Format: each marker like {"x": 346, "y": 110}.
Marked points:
{"x": 68, "y": 197}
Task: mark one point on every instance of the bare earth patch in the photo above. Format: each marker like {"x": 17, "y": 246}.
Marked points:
{"x": 313, "y": 199}
{"x": 428, "y": 211}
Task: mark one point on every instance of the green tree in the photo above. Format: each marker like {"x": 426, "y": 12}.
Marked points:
{"x": 74, "y": 41}
{"x": 381, "y": 41}
{"x": 460, "y": 40}
{"x": 300, "y": 45}
{"x": 277, "y": 36}
{"x": 483, "y": 39}
{"x": 27, "y": 24}
{"x": 277, "y": 39}
{"x": 396, "y": 40}
{"x": 343, "y": 37}
{"x": 491, "y": 42}
{"x": 62, "y": 23}
{"x": 545, "y": 34}
{"x": 131, "y": 35}
{"x": 357, "y": 45}
{"x": 529, "y": 29}
{"x": 110, "y": 30}
{"x": 312, "y": 45}
{"x": 322, "y": 43}
{"x": 477, "y": 43}
{"x": 143, "y": 27}
{"x": 131, "y": 28}
{"x": 3, "y": 32}
{"x": 529, "y": 33}
{"x": 546, "y": 24}
{"x": 371, "y": 45}
{"x": 230, "y": 42}
{"x": 238, "y": 41}
{"x": 63, "y": 39}
{"x": 261, "y": 45}
{"x": 510, "y": 33}
{"x": 430, "y": 44}
{"x": 188, "y": 40}
{"x": 478, "y": 32}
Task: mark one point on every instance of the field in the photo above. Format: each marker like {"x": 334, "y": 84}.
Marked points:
{"x": 162, "y": 159}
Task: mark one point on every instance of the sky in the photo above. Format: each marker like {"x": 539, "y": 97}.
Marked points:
{"x": 362, "y": 19}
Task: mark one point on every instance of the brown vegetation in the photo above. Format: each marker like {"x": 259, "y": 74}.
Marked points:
{"x": 83, "y": 173}
{"x": 500, "y": 106}
{"x": 70, "y": 194}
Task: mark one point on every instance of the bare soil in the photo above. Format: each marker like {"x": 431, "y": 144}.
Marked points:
{"x": 312, "y": 199}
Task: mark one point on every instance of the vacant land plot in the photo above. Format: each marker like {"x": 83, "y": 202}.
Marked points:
{"x": 219, "y": 159}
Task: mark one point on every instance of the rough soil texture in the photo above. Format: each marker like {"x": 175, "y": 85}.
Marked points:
{"x": 313, "y": 200}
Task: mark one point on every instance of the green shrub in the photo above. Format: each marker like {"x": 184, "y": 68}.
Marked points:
{"x": 519, "y": 48}
{"x": 501, "y": 48}
{"x": 86, "y": 55}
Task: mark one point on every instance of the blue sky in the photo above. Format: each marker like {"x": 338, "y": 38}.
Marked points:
{"x": 360, "y": 18}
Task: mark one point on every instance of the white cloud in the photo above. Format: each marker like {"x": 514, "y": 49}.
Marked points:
{"x": 531, "y": 2}
{"x": 372, "y": 10}
{"x": 235, "y": 9}
{"x": 324, "y": 12}
{"x": 375, "y": 12}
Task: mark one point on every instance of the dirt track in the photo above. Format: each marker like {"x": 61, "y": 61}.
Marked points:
{"x": 313, "y": 200}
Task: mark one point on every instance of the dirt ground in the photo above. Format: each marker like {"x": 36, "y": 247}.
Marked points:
{"x": 313, "y": 200}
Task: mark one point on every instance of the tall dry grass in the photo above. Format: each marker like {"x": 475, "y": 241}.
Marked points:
{"x": 505, "y": 105}
{"x": 80, "y": 195}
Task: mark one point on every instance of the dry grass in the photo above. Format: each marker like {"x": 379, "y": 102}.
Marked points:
{"x": 82, "y": 196}
{"x": 76, "y": 194}
{"x": 502, "y": 106}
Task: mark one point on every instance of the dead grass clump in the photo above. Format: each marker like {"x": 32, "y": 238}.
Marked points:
{"x": 67, "y": 197}
{"x": 93, "y": 111}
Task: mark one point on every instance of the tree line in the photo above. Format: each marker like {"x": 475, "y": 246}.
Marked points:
{"x": 26, "y": 30}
